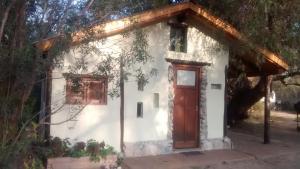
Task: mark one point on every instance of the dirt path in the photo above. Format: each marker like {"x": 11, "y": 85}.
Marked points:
{"x": 248, "y": 152}
{"x": 283, "y": 128}
{"x": 284, "y": 150}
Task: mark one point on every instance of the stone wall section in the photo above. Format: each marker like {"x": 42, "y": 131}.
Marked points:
{"x": 171, "y": 96}
{"x": 203, "y": 109}
{"x": 148, "y": 148}
{"x": 205, "y": 143}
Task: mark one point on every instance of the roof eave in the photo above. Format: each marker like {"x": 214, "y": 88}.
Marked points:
{"x": 157, "y": 15}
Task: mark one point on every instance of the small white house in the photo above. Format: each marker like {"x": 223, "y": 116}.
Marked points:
{"x": 183, "y": 107}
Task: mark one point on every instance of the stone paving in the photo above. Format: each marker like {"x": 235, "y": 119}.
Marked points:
{"x": 180, "y": 160}
{"x": 248, "y": 153}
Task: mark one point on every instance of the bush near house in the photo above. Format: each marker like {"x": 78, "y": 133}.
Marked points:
{"x": 90, "y": 154}
{"x": 58, "y": 148}
{"x": 95, "y": 150}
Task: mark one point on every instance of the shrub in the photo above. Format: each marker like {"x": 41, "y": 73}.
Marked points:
{"x": 105, "y": 151}
{"x": 78, "y": 150}
{"x": 33, "y": 164}
{"x": 93, "y": 149}
{"x": 79, "y": 146}
{"x": 59, "y": 147}
{"x": 98, "y": 150}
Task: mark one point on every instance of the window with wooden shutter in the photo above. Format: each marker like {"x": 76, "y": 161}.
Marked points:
{"x": 96, "y": 93}
{"x": 89, "y": 91}
{"x": 75, "y": 94}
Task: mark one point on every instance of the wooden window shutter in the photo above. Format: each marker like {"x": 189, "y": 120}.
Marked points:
{"x": 74, "y": 95}
{"x": 97, "y": 93}
{"x": 91, "y": 91}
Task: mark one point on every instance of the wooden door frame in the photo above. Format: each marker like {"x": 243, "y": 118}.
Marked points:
{"x": 198, "y": 70}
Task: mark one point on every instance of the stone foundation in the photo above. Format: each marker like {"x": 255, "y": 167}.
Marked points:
{"x": 171, "y": 95}
{"x": 203, "y": 109}
{"x": 148, "y": 148}
{"x": 216, "y": 144}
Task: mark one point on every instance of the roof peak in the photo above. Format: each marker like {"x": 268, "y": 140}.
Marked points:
{"x": 143, "y": 19}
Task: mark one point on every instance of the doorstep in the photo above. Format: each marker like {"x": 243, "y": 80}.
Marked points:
{"x": 190, "y": 159}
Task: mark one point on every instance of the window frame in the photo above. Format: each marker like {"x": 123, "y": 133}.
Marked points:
{"x": 186, "y": 68}
{"x": 86, "y": 80}
{"x": 173, "y": 29}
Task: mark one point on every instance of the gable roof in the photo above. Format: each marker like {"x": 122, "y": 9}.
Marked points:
{"x": 273, "y": 60}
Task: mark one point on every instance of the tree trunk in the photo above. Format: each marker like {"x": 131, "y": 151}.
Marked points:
{"x": 17, "y": 88}
{"x": 121, "y": 105}
{"x": 297, "y": 108}
{"x": 242, "y": 100}
{"x": 4, "y": 19}
{"x": 268, "y": 81}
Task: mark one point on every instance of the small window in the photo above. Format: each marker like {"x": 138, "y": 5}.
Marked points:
{"x": 186, "y": 78}
{"x": 178, "y": 39}
{"x": 156, "y": 100}
{"x": 86, "y": 89}
{"x": 140, "y": 110}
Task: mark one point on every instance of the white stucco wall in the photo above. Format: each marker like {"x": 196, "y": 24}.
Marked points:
{"x": 102, "y": 122}
{"x": 218, "y": 55}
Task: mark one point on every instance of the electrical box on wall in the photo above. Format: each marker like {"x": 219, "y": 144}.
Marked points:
{"x": 215, "y": 86}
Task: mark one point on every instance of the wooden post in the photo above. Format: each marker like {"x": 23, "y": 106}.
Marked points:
{"x": 297, "y": 108}
{"x": 268, "y": 81}
{"x": 43, "y": 110}
{"x": 298, "y": 126}
{"x": 48, "y": 104}
{"x": 121, "y": 104}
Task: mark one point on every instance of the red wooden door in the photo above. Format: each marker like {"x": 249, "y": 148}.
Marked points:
{"x": 186, "y": 101}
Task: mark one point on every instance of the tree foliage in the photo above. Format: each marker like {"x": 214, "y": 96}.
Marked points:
{"x": 274, "y": 24}
{"x": 22, "y": 65}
